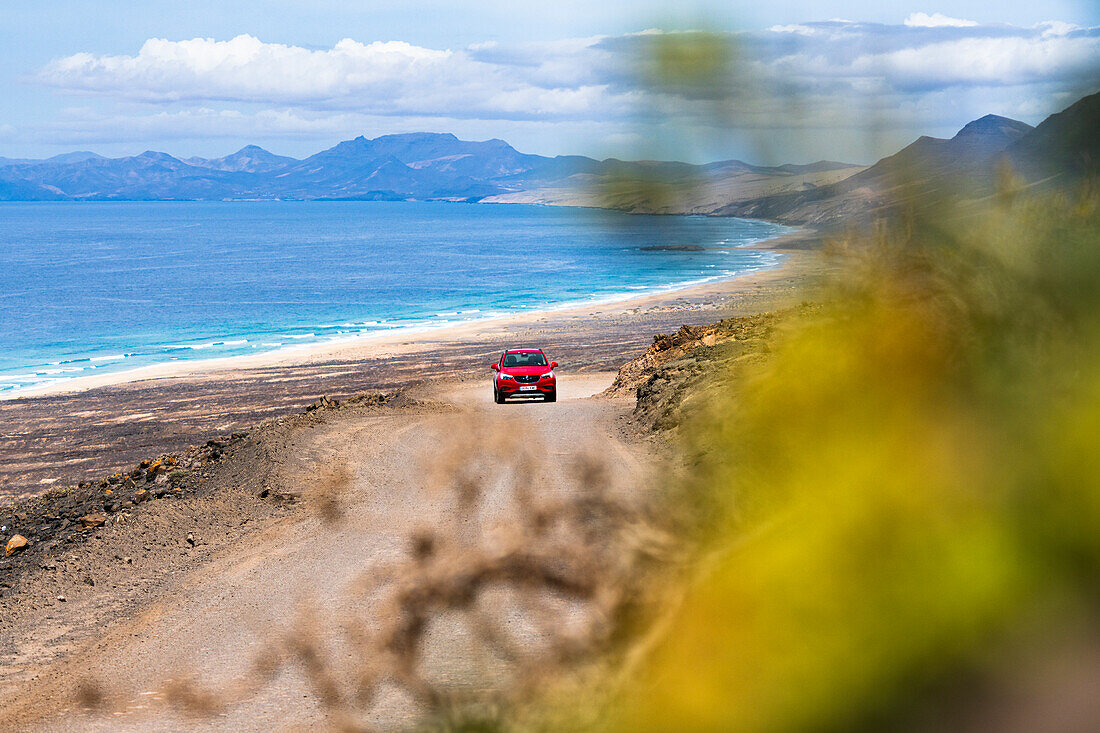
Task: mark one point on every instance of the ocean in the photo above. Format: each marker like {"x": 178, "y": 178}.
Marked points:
{"x": 94, "y": 287}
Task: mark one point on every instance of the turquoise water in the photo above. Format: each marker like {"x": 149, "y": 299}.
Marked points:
{"x": 87, "y": 288}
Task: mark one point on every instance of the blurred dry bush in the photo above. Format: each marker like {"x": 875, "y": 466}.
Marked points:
{"x": 536, "y": 580}
{"x": 902, "y": 507}
{"x": 895, "y": 519}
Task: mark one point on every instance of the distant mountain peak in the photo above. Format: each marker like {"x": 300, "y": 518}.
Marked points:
{"x": 76, "y": 157}
{"x": 154, "y": 155}
{"x": 413, "y": 136}
{"x": 994, "y": 129}
{"x": 254, "y": 151}
{"x": 249, "y": 159}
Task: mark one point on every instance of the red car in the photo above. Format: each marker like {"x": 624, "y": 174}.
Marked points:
{"x": 522, "y": 372}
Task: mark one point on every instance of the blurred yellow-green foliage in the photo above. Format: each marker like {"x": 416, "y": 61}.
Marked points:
{"x": 901, "y": 509}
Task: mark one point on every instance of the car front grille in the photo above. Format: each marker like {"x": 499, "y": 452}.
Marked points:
{"x": 527, "y": 378}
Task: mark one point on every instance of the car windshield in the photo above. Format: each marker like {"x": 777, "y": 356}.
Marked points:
{"x": 525, "y": 359}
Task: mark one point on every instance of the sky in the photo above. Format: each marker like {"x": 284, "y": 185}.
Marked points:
{"x": 792, "y": 80}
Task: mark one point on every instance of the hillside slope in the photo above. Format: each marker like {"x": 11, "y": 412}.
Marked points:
{"x": 1064, "y": 145}
{"x": 1061, "y": 150}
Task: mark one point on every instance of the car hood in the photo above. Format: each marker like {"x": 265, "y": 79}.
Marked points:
{"x": 523, "y": 371}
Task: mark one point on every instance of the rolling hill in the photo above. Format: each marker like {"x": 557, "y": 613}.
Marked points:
{"x": 439, "y": 166}
{"x": 1062, "y": 149}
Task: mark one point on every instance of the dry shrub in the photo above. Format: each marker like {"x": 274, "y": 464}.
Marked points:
{"x": 566, "y": 565}
{"x": 901, "y": 507}
{"x": 188, "y": 695}
{"x": 90, "y": 695}
{"x": 327, "y": 491}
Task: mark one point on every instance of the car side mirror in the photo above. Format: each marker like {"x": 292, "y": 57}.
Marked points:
{"x": 494, "y": 367}
{"x": 553, "y": 365}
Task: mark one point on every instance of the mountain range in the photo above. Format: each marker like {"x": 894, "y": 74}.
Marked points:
{"x": 1062, "y": 149}
{"x": 391, "y": 167}
{"x": 434, "y": 166}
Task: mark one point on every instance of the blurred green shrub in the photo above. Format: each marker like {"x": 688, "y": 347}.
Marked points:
{"x": 901, "y": 509}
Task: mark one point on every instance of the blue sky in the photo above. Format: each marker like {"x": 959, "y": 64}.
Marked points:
{"x": 205, "y": 78}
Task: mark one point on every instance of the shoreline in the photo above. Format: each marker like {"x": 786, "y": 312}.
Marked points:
{"x": 407, "y": 339}
{"x": 82, "y": 434}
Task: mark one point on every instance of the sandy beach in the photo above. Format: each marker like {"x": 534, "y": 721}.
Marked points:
{"x": 85, "y": 427}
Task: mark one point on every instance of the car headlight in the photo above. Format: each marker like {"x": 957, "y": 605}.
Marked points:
{"x": 548, "y": 375}
{"x": 506, "y": 376}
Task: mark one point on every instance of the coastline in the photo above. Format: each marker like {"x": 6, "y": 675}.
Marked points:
{"x": 92, "y": 429}
{"x": 407, "y": 340}
{"x": 230, "y": 332}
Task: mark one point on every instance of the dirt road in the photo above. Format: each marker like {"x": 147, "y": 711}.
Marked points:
{"x": 369, "y": 484}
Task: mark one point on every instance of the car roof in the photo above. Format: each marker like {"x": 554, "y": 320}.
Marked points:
{"x": 523, "y": 351}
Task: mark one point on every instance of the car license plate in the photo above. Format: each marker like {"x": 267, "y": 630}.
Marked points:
{"x": 528, "y": 388}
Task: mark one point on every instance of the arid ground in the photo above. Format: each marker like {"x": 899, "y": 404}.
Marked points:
{"x": 245, "y": 593}
{"x": 203, "y": 609}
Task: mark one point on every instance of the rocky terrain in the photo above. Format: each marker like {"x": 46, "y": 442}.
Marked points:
{"x": 150, "y": 591}
{"x": 688, "y": 367}
{"x": 677, "y": 370}
{"x": 315, "y": 487}
{"x": 298, "y": 573}
{"x": 161, "y": 510}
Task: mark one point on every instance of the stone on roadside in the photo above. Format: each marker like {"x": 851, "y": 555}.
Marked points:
{"x": 15, "y": 544}
{"x": 155, "y": 471}
{"x": 90, "y": 521}
{"x": 323, "y": 404}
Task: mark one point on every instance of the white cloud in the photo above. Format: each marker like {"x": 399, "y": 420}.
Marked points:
{"x": 983, "y": 61}
{"x": 932, "y": 70}
{"x": 392, "y": 78}
{"x": 862, "y": 58}
{"x": 936, "y": 20}
{"x": 802, "y": 30}
{"x": 1057, "y": 28}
